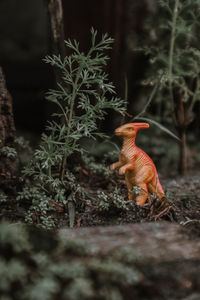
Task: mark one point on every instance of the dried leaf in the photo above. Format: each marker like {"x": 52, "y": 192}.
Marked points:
{"x": 59, "y": 207}
{"x": 85, "y": 172}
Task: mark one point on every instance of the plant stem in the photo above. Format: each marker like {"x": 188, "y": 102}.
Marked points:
{"x": 49, "y": 171}
{"x": 171, "y": 53}
{"x": 74, "y": 93}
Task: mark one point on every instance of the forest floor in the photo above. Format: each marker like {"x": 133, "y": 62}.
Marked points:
{"x": 181, "y": 205}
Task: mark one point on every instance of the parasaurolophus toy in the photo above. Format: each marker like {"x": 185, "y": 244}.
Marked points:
{"x": 137, "y": 166}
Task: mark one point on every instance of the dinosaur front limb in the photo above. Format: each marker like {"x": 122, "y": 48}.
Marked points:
{"x": 115, "y": 165}
{"x": 125, "y": 168}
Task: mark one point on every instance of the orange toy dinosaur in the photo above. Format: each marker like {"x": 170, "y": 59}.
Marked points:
{"x": 137, "y": 166}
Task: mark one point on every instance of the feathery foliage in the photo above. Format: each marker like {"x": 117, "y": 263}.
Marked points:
{"x": 83, "y": 97}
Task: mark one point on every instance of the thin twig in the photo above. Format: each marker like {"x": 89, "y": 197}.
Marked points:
{"x": 149, "y": 100}
{"x": 171, "y": 53}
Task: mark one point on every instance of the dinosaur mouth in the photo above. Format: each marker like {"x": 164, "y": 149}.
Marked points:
{"x": 118, "y": 133}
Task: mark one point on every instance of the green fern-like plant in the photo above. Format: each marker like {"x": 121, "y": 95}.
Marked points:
{"x": 85, "y": 87}
{"x": 83, "y": 97}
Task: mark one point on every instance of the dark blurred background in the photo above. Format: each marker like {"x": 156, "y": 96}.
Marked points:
{"x": 25, "y": 38}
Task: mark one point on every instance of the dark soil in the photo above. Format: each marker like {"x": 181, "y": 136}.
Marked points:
{"x": 181, "y": 205}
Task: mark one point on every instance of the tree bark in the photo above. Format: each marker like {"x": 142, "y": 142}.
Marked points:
{"x": 7, "y": 129}
{"x": 167, "y": 260}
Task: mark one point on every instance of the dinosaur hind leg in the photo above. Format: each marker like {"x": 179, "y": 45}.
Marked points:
{"x": 129, "y": 187}
{"x": 151, "y": 188}
{"x": 142, "y": 198}
{"x": 142, "y": 179}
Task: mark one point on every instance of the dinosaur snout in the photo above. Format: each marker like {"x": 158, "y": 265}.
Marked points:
{"x": 140, "y": 125}
{"x": 118, "y": 132}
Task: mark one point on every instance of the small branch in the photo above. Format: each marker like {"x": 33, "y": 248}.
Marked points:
{"x": 150, "y": 98}
{"x": 194, "y": 98}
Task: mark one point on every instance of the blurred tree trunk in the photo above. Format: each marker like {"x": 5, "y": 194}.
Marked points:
{"x": 184, "y": 117}
{"x": 57, "y": 37}
{"x": 183, "y": 153}
{"x": 55, "y": 11}
{"x": 56, "y": 21}
{"x": 7, "y": 129}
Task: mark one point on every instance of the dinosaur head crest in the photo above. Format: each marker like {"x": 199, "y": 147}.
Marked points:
{"x": 130, "y": 129}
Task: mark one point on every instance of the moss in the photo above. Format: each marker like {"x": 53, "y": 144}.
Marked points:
{"x": 127, "y": 255}
{"x": 112, "y": 272}
{"x": 13, "y": 239}
{"x": 80, "y": 288}
{"x": 68, "y": 270}
{"x": 76, "y": 246}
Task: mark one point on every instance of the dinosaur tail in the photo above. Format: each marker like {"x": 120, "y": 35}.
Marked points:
{"x": 154, "y": 187}
{"x": 160, "y": 191}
